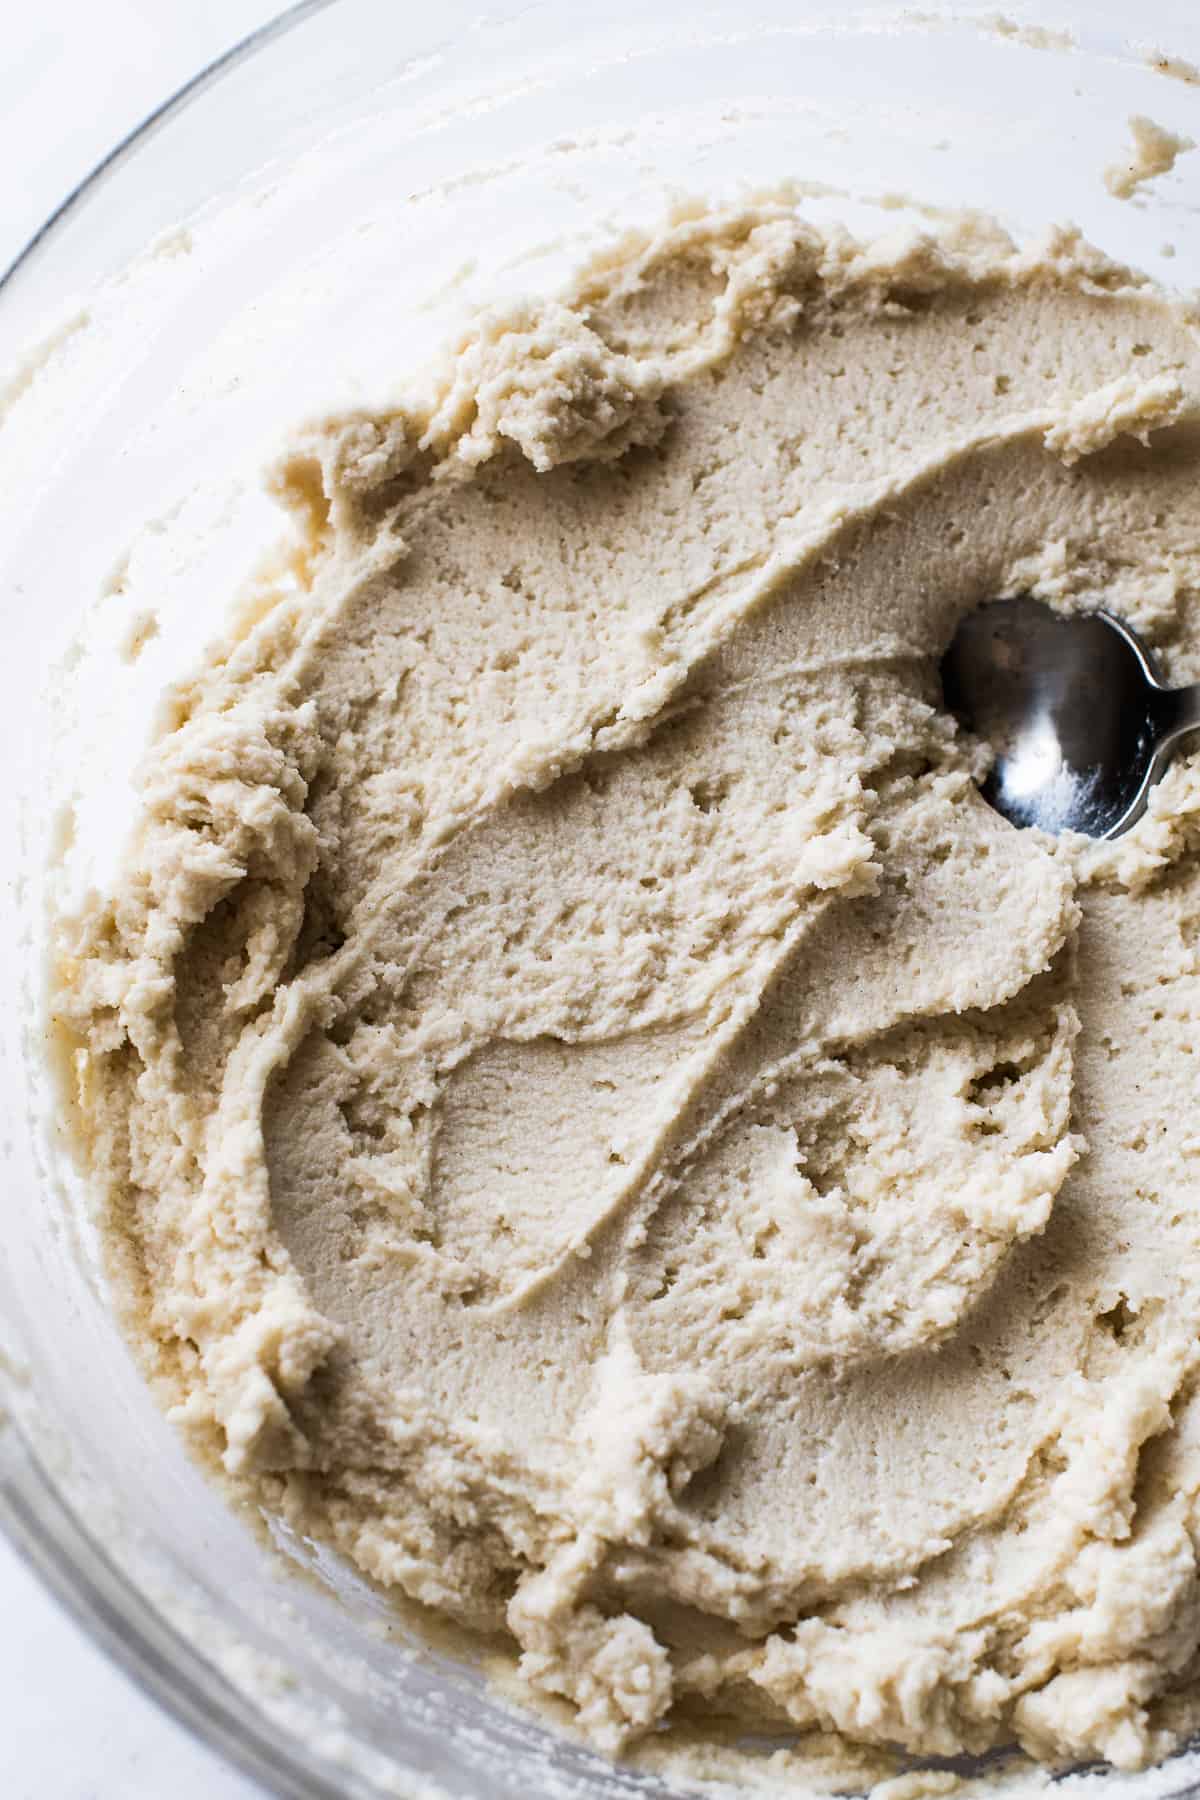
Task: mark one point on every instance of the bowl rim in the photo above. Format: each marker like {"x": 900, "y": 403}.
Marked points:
{"x": 205, "y": 77}
{"x": 85, "y": 1580}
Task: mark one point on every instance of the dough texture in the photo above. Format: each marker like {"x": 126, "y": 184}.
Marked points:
{"x": 1154, "y": 151}
{"x": 597, "y": 1120}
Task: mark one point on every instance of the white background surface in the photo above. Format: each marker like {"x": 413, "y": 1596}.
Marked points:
{"x": 75, "y": 76}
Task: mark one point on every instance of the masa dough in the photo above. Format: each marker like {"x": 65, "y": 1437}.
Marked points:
{"x": 598, "y": 1120}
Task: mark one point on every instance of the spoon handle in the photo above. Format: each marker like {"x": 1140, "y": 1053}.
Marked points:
{"x": 1178, "y": 713}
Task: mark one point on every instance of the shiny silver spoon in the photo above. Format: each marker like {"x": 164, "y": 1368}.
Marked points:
{"x": 1080, "y": 723}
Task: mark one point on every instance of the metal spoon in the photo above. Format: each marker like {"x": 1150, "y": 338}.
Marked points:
{"x": 1080, "y": 723}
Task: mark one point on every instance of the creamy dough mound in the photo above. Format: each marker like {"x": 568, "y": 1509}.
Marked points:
{"x": 599, "y": 1121}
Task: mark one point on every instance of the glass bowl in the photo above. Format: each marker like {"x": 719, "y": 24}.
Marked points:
{"x": 484, "y": 152}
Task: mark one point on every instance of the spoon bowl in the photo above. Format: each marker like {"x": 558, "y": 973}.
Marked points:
{"x": 1073, "y": 708}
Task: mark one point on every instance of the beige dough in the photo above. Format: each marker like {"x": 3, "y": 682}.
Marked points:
{"x": 597, "y": 1119}
{"x": 1154, "y": 151}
